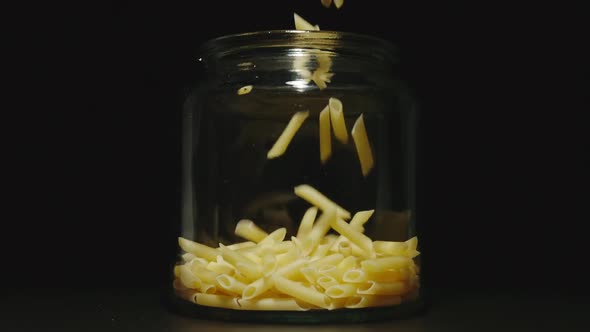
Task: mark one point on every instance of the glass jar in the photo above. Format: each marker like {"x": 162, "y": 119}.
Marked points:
{"x": 298, "y": 182}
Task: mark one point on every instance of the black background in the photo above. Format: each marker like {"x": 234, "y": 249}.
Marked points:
{"x": 94, "y": 181}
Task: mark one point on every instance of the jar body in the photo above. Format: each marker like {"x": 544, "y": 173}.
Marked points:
{"x": 229, "y": 176}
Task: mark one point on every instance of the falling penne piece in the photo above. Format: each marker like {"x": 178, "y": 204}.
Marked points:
{"x": 325, "y": 135}
{"x": 307, "y": 222}
{"x": 318, "y": 199}
{"x": 337, "y": 119}
{"x": 326, "y": 3}
{"x": 245, "y": 90}
{"x": 302, "y": 24}
{"x": 287, "y": 135}
{"x": 198, "y": 249}
{"x": 248, "y": 230}
{"x": 338, "y": 3}
{"x": 363, "y": 147}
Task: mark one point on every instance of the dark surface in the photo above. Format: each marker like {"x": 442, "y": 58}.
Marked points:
{"x": 142, "y": 310}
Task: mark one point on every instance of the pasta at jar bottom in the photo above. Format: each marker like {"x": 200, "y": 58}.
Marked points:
{"x": 312, "y": 270}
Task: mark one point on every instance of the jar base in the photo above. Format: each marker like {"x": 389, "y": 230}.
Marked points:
{"x": 361, "y": 315}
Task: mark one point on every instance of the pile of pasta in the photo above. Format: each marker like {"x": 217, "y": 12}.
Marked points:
{"x": 316, "y": 269}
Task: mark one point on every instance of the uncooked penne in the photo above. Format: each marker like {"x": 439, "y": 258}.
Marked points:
{"x": 344, "y": 248}
{"x": 272, "y": 304}
{"x": 310, "y": 274}
{"x": 245, "y": 90}
{"x": 248, "y": 230}
{"x": 287, "y": 135}
{"x": 316, "y": 198}
{"x": 242, "y": 263}
{"x": 338, "y": 3}
{"x": 412, "y": 244}
{"x": 364, "y": 301}
{"x": 326, "y": 3}
{"x": 342, "y": 290}
{"x": 197, "y": 249}
{"x": 269, "y": 264}
{"x": 320, "y": 251}
{"x": 325, "y": 135}
{"x": 353, "y": 235}
{"x": 383, "y": 288}
{"x": 363, "y": 147}
{"x": 333, "y": 259}
{"x": 302, "y": 24}
{"x": 230, "y": 284}
{"x": 328, "y": 270}
{"x": 354, "y": 276}
{"x": 205, "y": 275}
{"x": 389, "y": 275}
{"x": 187, "y": 257}
{"x": 293, "y": 270}
{"x": 241, "y": 245}
{"x": 307, "y": 222}
{"x": 214, "y": 300}
{"x": 188, "y": 278}
{"x": 275, "y": 237}
{"x": 337, "y": 120}
{"x": 257, "y": 288}
{"x": 303, "y": 293}
{"x": 386, "y": 263}
{"x": 390, "y": 248}
{"x": 326, "y": 282}
{"x": 319, "y": 230}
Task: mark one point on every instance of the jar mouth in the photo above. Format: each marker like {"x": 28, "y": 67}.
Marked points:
{"x": 351, "y": 43}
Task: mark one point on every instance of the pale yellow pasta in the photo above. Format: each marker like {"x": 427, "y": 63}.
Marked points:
{"x": 342, "y": 290}
{"x": 241, "y": 245}
{"x": 360, "y": 218}
{"x": 287, "y": 257}
{"x": 177, "y": 270}
{"x": 412, "y": 246}
{"x": 329, "y": 239}
{"x": 320, "y": 77}
{"x": 319, "y": 230}
{"x": 275, "y": 237}
{"x": 390, "y": 248}
{"x": 325, "y": 135}
{"x": 220, "y": 268}
{"x": 248, "y": 230}
{"x": 320, "y": 251}
{"x": 245, "y": 90}
{"x": 302, "y": 24}
{"x": 243, "y": 264}
{"x": 310, "y": 274}
{"x": 287, "y": 135}
{"x": 338, "y": 3}
{"x": 188, "y": 278}
{"x": 354, "y": 276}
{"x": 230, "y": 284}
{"x": 386, "y": 263}
{"x": 363, "y": 147}
{"x": 197, "y": 249}
{"x": 257, "y": 288}
{"x": 293, "y": 270}
{"x": 326, "y": 281}
{"x": 272, "y": 304}
{"x": 253, "y": 257}
{"x": 239, "y": 276}
{"x": 206, "y": 276}
{"x": 353, "y": 235}
{"x": 187, "y": 257}
{"x": 389, "y": 275}
{"x": 383, "y": 288}
{"x": 337, "y": 120}
{"x": 215, "y": 300}
{"x": 326, "y": 3}
{"x": 347, "y": 264}
{"x": 269, "y": 264}
{"x": 303, "y": 293}
{"x": 307, "y": 222}
{"x": 337, "y": 303}
{"x": 329, "y": 270}
{"x": 364, "y": 301}
{"x": 333, "y": 259}
{"x": 344, "y": 248}
{"x": 316, "y": 198}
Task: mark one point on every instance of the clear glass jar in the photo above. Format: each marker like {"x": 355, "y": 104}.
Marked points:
{"x": 237, "y": 171}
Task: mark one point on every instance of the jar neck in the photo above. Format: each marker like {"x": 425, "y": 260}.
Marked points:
{"x": 297, "y": 54}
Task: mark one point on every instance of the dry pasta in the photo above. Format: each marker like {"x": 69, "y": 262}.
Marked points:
{"x": 304, "y": 273}
{"x": 287, "y": 135}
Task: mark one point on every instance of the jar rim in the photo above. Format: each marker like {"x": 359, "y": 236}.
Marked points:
{"x": 339, "y": 41}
